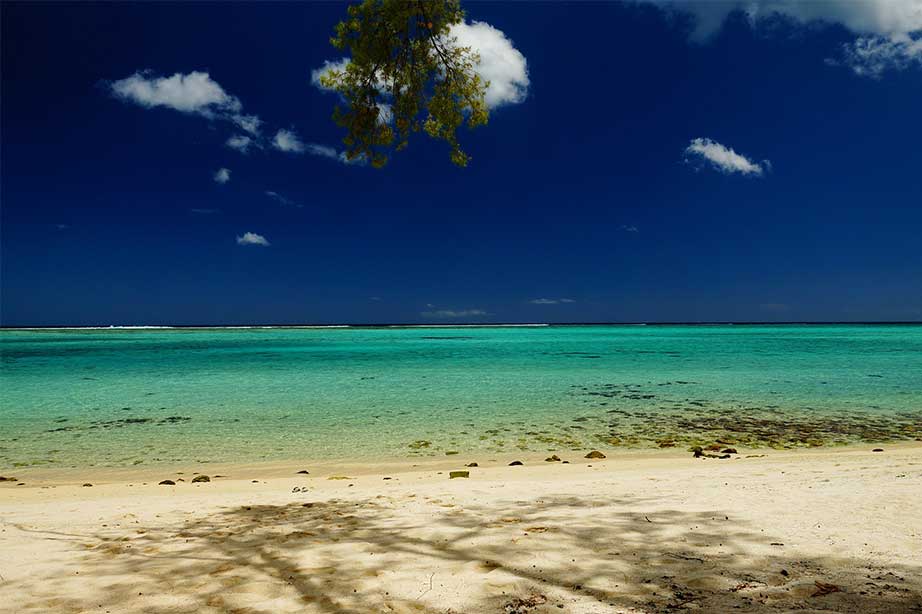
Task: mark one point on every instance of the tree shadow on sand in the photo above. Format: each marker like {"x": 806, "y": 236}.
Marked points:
{"x": 556, "y": 554}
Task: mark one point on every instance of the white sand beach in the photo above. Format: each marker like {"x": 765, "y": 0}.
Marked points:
{"x": 823, "y": 530}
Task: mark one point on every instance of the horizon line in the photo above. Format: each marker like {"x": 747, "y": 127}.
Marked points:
{"x": 465, "y": 324}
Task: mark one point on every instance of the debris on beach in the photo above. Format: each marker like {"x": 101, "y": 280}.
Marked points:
{"x": 595, "y": 454}
{"x": 516, "y": 463}
{"x": 471, "y": 465}
{"x": 167, "y": 483}
{"x": 822, "y": 588}
{"x": 458, "y": 474}
{"x": 304, "y": 472}
{"x": 553, "y": 458}
{"x": 524, "y": 606}
{"x": 87, "y": 485}
{"x": 201, "y": 478}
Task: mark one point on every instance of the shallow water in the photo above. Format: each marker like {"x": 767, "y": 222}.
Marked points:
{"x": 125, "y": 397}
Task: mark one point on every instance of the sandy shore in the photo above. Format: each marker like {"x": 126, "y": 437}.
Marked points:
{"x": 827, "y": 530}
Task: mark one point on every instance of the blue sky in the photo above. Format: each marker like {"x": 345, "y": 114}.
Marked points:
{"x": 643, "y": 162}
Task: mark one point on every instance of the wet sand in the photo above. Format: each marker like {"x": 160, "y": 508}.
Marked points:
{"x": 819, "y": 530}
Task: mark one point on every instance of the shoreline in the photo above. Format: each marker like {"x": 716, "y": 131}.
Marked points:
{"x": 666, "y": 458}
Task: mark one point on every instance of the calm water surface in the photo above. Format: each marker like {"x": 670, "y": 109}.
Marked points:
{"x": 126, "y": 397}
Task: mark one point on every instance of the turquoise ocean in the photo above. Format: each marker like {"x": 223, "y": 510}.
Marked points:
{"x": 125, "y": 397}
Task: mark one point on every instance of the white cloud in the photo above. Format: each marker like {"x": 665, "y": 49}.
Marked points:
{"x": 385, "y": 113}
{"x": 222, "y": 175}
{"x": 195, "y": 93}
{"x": 889, "y": 30}
{"x": 872, "y": 56}
{"x": 328, "y": 65}
{"x": 501, "y": 64}
{"x": 723, "y": 158}
{"x": 550, "y": 301}
{"x": 325, "y": 151}
{"x": 448, "y": 314}
{"x": 248, "y": 123}
{"x": 322, "y": 150}
{"x": 251, "y": 238}
{"x": 287, "y": 141}
{"x": 878, "y": 17}
{"x": 282, "y": 200}
{"x": 240, "y": 142}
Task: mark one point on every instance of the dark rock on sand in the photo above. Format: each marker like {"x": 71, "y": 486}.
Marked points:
{"x": 6, "y": 479}
{"x": 304, "y": 472}
{"x": 458, "y": 474}
{"x": 698, "y": 452}
{"x": 595, "y": 454}
{"x": 730, "y": 451}
{"x": 201, "y": 478}
{"x": 552, "y": 459}
{"x": 87, "y": 485}
{"x": 471, "y": 465}
{"x": 167, "y": 483}
{"x": 516, "y": 463}
{"x": 877, "y": 450}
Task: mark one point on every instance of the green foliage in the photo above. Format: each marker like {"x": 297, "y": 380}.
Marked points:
{"x": 406, "y": 74}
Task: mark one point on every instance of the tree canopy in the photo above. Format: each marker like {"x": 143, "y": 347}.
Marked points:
{"x": 405, "y": 73}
